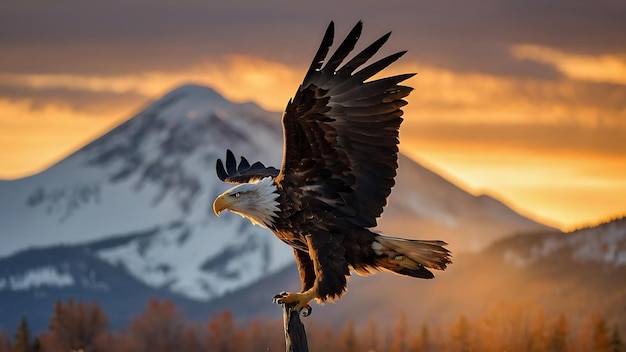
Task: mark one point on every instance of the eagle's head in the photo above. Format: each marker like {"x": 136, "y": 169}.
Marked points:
{"x": 255, "y": 201}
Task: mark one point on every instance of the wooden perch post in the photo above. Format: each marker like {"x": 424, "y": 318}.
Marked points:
{"x": 295, "y": 336}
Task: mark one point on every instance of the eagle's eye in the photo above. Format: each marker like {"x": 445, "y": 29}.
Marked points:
{"x": 237, "y": 194}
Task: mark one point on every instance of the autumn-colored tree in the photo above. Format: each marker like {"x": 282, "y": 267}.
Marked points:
{"x": 21, "y": 339}
{"x": 58, "y": 336}
{"x": 422, "y": 341}
{"x": 106, "y": 341}
{"x": 616, "y": 343}
{"x": 508, "y": 326}
{"x": 349, "y": 341}
{"x": 224, "y": 335}
{"x": 399, "y": 336}
{"x": 37, "y": 345}
{"x": 536, "y": 340}
{"x": 75, "y": 326}
{"x": 257, "y": 336}
{"x": 5, "y": 343}
{"x": 460, "y": 334}
{"x": 322, "y": 338}
{"x": 600, "y": 339}
{"x": 559, "y": 334}
{"x": 191, "y": 339}
{"x": 371, "y": 338}
{"x": 265, "y": 335}
{"x": 159, "y": 328}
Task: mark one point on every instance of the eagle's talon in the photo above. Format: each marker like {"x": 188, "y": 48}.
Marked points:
{"x": 306, "y": 311}
{"x": 296, "y": 301}
{"x": 277, "y": 298}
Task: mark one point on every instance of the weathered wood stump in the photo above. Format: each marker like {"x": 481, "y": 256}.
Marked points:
{"x": 295, "y": 335}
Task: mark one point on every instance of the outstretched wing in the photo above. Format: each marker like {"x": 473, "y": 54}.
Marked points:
{"x": 244, "y": 172}
{"x": 341, "y": 131}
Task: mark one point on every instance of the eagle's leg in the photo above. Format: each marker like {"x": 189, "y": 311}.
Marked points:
{"x": 306, "y": 269}
{"x": 323, "y": 271}
{"x": 299, "y": 300}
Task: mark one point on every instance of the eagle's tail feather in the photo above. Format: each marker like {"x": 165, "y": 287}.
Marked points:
{"x": 410, "y": 257}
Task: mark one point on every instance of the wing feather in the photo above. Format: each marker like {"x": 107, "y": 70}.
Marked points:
{"x": 378, "y": 90}
{"x": 343, "y": 50}
{"x": 358, "y": 60}
{"x": 314, "y": 70}
{"x": 341, "y": 131}
{"x": 244, "y": 172}
{"x": 358, "y": 78}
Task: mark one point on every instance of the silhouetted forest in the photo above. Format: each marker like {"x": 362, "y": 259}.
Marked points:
{"x": 80, "y": 326}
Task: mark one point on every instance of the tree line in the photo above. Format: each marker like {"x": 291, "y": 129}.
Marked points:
{"x": 161, "y": 327}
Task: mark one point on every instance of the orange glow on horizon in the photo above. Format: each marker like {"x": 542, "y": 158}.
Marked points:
{"x": 37, "y": 137}
{"x": 604, "y": 68}
{"x": 564, "y": 190}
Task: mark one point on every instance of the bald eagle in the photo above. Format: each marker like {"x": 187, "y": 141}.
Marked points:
{"x": 338, "y": 168}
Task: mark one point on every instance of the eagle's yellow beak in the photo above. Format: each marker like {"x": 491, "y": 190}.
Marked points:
{"x": 223, "y": 202}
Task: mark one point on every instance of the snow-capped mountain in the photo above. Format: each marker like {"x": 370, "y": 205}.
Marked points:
{"x": 604, "y": 244}
{"x": 153, "y": 169}
{"x": 155, "y": 172}
{"x": 139, "y": 200}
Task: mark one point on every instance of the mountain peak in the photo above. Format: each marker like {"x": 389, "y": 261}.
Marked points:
{"x": 191, "y": 89}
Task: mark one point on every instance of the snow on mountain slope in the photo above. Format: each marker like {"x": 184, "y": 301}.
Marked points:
{"x": 156, "y": 171}
{"x": 605, "y": 244}
{"x": 155, "y": 174}
{"x": 159, "y": 163}
{"x": 199, "y": 266}
{"x": 36, "y": 277}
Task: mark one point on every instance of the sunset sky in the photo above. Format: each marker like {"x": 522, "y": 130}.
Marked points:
{"x": 522, "y": 100}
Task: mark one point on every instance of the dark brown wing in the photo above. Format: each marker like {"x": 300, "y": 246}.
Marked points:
{"x": 341, "y": 132}
{"x": 244, "y": 172}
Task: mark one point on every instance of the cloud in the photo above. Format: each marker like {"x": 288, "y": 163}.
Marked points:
{"x": 554, "y": 139}
{"x": 120, "y": 37}
{"x": 85, "y": 101}
{"x": 593, "y": 68}
{"x": 238, "y": 77}
{"x": 442, "y": 95}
